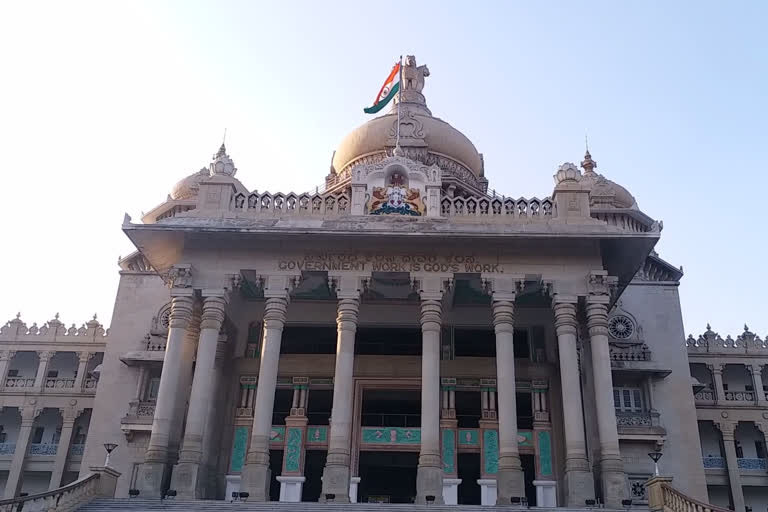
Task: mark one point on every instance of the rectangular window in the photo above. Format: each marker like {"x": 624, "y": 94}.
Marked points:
{"x": 52, "y": 374}
{"x": 154, "y": 387}
{"x": 37, "y": 436}
{"x": 628, "y": 399}
{"x": 13, "y": 373}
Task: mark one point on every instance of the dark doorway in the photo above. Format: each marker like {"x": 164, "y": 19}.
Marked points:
{"x": 529, "y": 473}
{"x": 469, "y": 472}
{"x": 391, "y": 408}
{"x": 314, "y": 462}
{"x": 388, "y": 477}
{"x": 275, "y": 467}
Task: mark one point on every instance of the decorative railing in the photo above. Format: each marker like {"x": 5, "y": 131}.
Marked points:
{"x": 635, "y": 352}
{"x": 43, "y": 449}
{"x": 7, "y": 448}
{"x": 156, "y": 344}
{"x": 64, "y": 499}
{"x": 19, "y": 382}
{"x": 497, "y": 207}
{"x": 77, "y": 450}
{"x": 292, "y": 204}
{"x": 711, "y": 342}
{"x": 56, "y": 383}
{"x": 141, "y": 409}
{"x": 17, "y": 330}
{"x": 752, "y": 463}
{"x": 622, "y": 219}
{"x": 663, "y": 497}
{"x": 90, "y": 383}
{"x": 713, "y": 462}
{"x": 740, "y": 396}
{"x": 705, "y": 395}
{"x": 633, "y": 419}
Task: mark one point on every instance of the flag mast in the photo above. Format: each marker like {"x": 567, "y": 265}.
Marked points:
{"x": 399, "y": 100}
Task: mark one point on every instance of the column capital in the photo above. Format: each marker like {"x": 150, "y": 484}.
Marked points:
{"x": 600, "y": 286}
{"x": 179, "y": 276}
{"x": 7, "y": 355}
{"x": 280, "y": 286}
{"x": 181, "y": 311}
{"x": 503, "y": 287}
{"x": 45, "y": 355}
{"x": 70, "y": 414}
{"x": 432, "y": 286}
{"x": 348, "y": 285}
{"x": 716, "y": 367}
{"x": 84, "y": 357}
{"x": 28, "y": 413}
{"x": 214, "y": 309}
{"x": 755, "y": 367}
{"x": 727, "y": 429}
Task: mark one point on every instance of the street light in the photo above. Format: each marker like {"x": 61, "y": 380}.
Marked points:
{"x": 109, "y": 447}
{"x": 655, "y": 456}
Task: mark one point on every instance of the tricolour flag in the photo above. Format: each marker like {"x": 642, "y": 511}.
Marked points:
{"x": 387, "y": 92}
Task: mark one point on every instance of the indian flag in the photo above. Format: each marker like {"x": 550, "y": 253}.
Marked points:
{"x": 387, "y": 92}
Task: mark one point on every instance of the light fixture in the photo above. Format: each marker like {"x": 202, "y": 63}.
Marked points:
{"x": 109, "y": 447}
{"x": 655, "y": 456}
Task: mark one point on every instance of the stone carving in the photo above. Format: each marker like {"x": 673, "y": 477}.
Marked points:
{"x": 545, "y": 453}
{"x": 180, "y": 276}
{"x": 396, "y": 198}
{"x": 449, "y": 451}
{"x": 293, "y": 449}
{"x": 711, "y": 342}
{"x": 391, "y": 435}
{"x": 413, "y": 75}
{"x": 621, "y": 327}
{"x": 53, "y": 330}
{"x": 491, "y": 451}
{"x": 468, "y": 437}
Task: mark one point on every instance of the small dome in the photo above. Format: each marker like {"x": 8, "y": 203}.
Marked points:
{"x": 605, "y": 193}
{"x": 188, "y": 187}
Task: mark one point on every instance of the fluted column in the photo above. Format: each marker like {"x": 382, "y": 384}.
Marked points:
{"x": 509, "y": 479}
{"x": 68, "y": 417}
{"x": 151, "y": 473}
{"x": 336, "y": 473}
{"x": 13, "y": 483}
{"x": 757, "y": 382}
{"x": 188, "y": 475}
{"x": 579, "y": 483}
{"x": 429, "y": 475}
{"x": 42, "y": 368}
{"x": 728, "y": 430}
{"x": 255, "y": 475}
{"x": 717, "y": 376}
{"x": 612, "y": 478}
{"x": 83, "y": 358}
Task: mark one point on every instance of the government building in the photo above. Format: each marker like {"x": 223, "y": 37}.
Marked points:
{"x": 402, "y": 335}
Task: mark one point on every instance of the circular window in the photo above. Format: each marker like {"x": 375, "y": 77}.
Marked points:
{"x": 621, "y": 327}
{"x": 165, "y": 318}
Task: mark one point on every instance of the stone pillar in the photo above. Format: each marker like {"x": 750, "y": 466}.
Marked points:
{"x": 579, "y": 482}
{"x": 728, "y": 430}
{"x": 152, "y": 472}
{"x": 13, "y": 484}
{"x": 184, "y": 385}
{"x": 292, "y": 477}
{"x": 83, "y": 357}
{"x": 449, "y": 441}
{"x": 429, "y": 474}
{"x": 612, "y": 477}
{"x": 757, "y": 382}
{"x": 509, "y": 480}
{"x": 717, "y": 374}
{"x": 188, "y": 477}
{"x": 545, "y": 483}
{"x": 5, "y": 362}
{"x": 336, "y": 474}
{"x": 42, "y": 368}
{"x": 256, "y": 475}
{"x": 68, "y": 417}
{"x": 212, "y": 433}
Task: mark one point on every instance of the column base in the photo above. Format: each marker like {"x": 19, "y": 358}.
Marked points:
{"x": 150, "y": 479}
{"x": 613, "y": 483}
{"x": 451, "y": 491}
{"x": 336, "y": 482}
{"x": 487, "y": 491}
{"x": 429, "y": 482}
{"x": 510, "y": 482}
{"x": 188, "y": 480}
{"x": 546, "y": 493}
{"x": 579, "y": 487}
{"x": 354, "y": 482}
{"x": 290, "y": 488}
{"x": 255, "y": 481}
{"x": 233, "y": 485}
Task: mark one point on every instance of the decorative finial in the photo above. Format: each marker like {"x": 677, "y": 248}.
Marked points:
{"x": 222, "y": 151}
{"x": 18, "y": 315}
{"x": 586, "y": 143}
{"x": 746, "y": 329}
{"x": 708, "y": 327}
{"x": 56, "y": 316}
{"x": 94, "y": 316}
{"x": 588, "y": 164}
{"x": 224, "y": 139}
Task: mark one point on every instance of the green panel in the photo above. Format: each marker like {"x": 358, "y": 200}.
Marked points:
{"x": 545, "y": 453}
{"x": 468, "y": 437}
{"x": 449, "y": 451}
{"x": 491, "y": 451}
{"x": 391, "y": 435}
{"x": 317, "y": 434}
{"x": 293, "y": 450}
{"x": 239, "y": 445}
{"x": 277, "y": 434}
{"x": 525, "y": 438}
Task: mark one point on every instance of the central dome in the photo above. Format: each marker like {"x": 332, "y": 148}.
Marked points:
{"x": 423, "y": 137}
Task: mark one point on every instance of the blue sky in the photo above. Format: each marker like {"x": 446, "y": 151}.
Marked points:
{"x": 105, "y": 105}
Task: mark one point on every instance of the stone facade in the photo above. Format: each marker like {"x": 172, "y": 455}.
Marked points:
{"x": 490, "y": 349}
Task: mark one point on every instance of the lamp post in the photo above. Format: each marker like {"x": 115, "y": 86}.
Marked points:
{"x": 655, "y": 456}
{"x": 109, "y": 447}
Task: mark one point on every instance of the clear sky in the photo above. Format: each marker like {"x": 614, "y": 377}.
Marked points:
{"x": 105, "y": 105}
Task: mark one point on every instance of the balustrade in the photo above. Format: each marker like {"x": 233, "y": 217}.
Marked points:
{"x": 90, "y": 383}
{"x": 77, "y": 450}
{"x": 740, "y": 396}
{"x": 64, "y": 499}
{"x": 59, "y": 383}
{"x": 634, "y": 419}
{"x": 497, "y": 207}
{"x": 40, "y": 449}
{"x": 292, "y": 204}
{"x": 663, "y": 497}
{"x": 705, "y": 395}
{"x": 7, "y": 448}
{"x": 752, "y": 463}
{"x": 634, "y": 352}
{"x": 713, "y": 462}
{"x": 20, "y": 382}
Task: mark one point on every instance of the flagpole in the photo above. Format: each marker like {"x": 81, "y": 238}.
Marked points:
{"x": 399, "y": 100}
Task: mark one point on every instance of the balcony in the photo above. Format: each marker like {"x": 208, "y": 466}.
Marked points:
{"x": 713, "y": 462}
{"x": 7, "y": 448}
{"x": 642, "y": 423}
{"x": 20, "y": 382}
{"x": 41, "y": 450}
{"x": 57, "y": 383}
{"x": 76, "y": 450}
{"x": 705, "y": 395}
{"x": 748, "y": 464}
{"x": 740, "y": 396}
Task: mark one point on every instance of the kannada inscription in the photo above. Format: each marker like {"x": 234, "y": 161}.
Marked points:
{"x": 371, "y": 262}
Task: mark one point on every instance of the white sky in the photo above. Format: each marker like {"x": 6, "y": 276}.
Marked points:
{"x": 105, "y": 105}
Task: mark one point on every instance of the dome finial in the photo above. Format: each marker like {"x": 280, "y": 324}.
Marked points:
{"x": 588, "y": 164}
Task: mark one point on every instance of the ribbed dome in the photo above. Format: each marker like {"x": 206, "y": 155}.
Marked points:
{"x": 604, "y": 192}
{"x": 378, "y": 135}
{"x": 189, "y": 186}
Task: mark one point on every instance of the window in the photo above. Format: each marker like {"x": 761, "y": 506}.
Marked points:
{"x": 37, "y": 436}
{"x": 154, "y": 387}
{"x": 13, "y": 373}
{"x": 52, "y": 374}
{"x": 627, "y": 399}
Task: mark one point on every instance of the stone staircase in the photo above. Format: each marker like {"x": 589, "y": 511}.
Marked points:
{"x": 114, "y": 505}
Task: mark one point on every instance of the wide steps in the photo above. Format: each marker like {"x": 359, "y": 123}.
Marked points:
{"x": 104, "y": 505}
